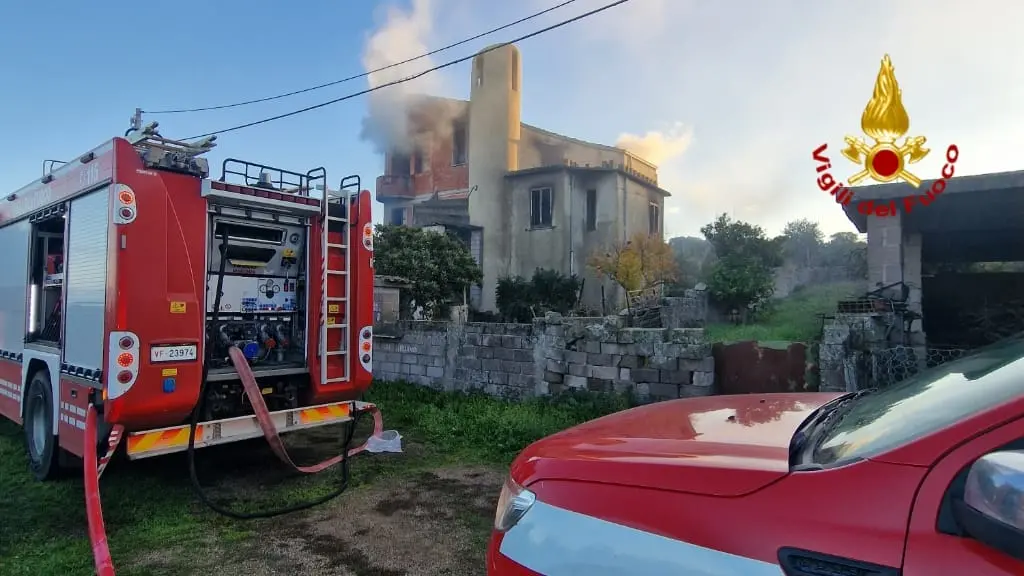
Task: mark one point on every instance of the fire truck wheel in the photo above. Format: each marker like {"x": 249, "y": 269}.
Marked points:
{"x": 41, "y": 443}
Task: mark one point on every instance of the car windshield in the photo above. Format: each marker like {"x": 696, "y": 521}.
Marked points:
{"x": 925, "y": 403}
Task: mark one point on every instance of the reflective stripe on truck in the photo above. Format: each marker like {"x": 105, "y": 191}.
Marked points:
{"x": 175, "y": 438}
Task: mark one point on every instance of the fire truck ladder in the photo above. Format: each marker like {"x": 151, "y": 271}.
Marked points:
{"x": 336, "y": 295}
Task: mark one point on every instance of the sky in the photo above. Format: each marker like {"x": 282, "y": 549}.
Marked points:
{"x": 729, "y": 97}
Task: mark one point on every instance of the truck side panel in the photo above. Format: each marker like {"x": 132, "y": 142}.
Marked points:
{"x": 73, "y": 403}
{"x": 14, "y": 240}
{"x": 362, "y": 291}
{"x": 86, "y": 280}
{"x": 157, "y": 290}
{"x": 11, "y": 392}
{"x": 92, "y": 169}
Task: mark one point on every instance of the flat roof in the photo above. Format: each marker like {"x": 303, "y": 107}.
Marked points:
{"x": 992, "y": 182}
{"x": 586, "y": 169}
{"x": 571, "y": 139}
{"x": 956, "y": 184}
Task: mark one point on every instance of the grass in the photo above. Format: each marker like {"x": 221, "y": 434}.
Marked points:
{"x": 149, "y": 507}
{"x": 796, "y": 318}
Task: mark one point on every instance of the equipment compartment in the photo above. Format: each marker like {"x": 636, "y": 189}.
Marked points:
{"x": 262, "y": 305}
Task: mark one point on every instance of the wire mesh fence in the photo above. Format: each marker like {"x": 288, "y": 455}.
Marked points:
{"x": 891, "y": 365}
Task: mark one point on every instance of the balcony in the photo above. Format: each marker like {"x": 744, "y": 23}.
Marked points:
{"x": 391, "y": 187}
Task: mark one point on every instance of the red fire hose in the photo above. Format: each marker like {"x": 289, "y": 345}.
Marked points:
{"x": 93, "y": 508}
{"x": 94, "y": 512}
{"x": 259, "y": 407}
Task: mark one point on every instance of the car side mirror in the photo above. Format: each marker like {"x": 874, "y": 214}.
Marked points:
{"x": 992, "y": 509}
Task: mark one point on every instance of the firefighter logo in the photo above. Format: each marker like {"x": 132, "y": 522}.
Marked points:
{"x": 885, "y": 155}
{"x": 885, "y": 121}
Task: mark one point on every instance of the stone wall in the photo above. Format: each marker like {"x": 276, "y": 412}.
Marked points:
{"x": 546, "y": 357}
{"x": 844, "y": 353}
{"x": 687, "y": 311}
{"x": 653, "y": 363}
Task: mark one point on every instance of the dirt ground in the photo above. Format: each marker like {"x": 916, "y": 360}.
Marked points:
{"x": 433, "y": 522}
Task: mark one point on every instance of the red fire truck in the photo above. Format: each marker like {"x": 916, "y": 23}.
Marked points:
{"x": 133, "y": 280}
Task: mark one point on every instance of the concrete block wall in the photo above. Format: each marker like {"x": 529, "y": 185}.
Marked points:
{"x": 549, "y": 356}
{"x": 411, "y": 350}
{"x": 885, "y": 250}
{"x": 495, "y": 357}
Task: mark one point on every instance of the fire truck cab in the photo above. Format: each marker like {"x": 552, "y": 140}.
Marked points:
{"x": 111, "y": 264}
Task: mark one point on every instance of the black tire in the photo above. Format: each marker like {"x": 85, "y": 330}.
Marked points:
{"x": 40, "y": 442}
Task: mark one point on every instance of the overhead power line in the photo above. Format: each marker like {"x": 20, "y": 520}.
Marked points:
{"x": 365, "y": 74}
{"x": 414, "y": 76}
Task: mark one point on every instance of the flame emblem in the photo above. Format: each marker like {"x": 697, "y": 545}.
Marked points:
{"x": 885, "y": 121}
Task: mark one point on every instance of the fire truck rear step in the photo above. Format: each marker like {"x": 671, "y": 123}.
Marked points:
{"x": 148, "y": 443}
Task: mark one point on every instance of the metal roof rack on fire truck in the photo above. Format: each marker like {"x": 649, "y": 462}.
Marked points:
{"x": 167, "y": 154}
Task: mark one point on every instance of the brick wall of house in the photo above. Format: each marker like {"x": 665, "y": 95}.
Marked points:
{"x": 438, "y": 175}
{"x": 442, "y": 176}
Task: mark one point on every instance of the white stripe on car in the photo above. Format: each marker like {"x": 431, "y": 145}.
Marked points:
{"x": 558, "y": 542}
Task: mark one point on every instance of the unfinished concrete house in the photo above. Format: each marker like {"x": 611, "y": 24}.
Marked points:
{"x": 521, "y": 197}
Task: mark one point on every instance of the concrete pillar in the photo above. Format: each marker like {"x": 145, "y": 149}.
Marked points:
{"x": 912, "y": 278}
{"x": 885, "y": 250}
{"x": 894, "y": 255}
{"x": 912, "y": 269}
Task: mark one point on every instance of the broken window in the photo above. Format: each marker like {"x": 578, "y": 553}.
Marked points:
{"x": 654, "y": 218}
{"x": 458, "y": 143}
{"x": 399, "y": 164}
{"x": 541, "y": 206}
{"x": 417, "y": 162}
{"x": 591, "y": 210}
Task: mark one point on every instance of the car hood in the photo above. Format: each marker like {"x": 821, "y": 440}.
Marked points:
{"x": 718, "y": 445}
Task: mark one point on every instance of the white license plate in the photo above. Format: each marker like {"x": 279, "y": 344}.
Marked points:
{"x": 173, "y": 353}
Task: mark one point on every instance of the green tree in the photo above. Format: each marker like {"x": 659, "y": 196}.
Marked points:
{"x": 742, "y": 276}
{"x": 439, "y": 266}
{"x": 694, "y": 257}
{"x": 802, "y": 242}
{"x": 845, "y": 250}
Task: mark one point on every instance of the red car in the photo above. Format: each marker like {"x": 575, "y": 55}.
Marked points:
{"x": 925, "y": 477}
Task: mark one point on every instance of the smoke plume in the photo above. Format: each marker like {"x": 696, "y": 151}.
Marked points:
{"x": 657, "y": 147}
{"x": 388, "y": 124}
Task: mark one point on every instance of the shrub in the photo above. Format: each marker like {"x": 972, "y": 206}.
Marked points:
{"x": 520, "y": 300}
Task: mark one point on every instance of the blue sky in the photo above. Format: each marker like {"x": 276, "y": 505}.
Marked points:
{"x": 731, "y": 96}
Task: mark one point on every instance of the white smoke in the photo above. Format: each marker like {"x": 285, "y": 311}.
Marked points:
{"x": 402, "y": 36}
{"x": 657, "y": 147}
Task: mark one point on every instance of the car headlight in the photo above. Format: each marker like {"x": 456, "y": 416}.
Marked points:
{"x": 513, "y": 503}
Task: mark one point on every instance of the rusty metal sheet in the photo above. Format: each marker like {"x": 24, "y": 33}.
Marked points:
{"x": 759, "y": 367}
